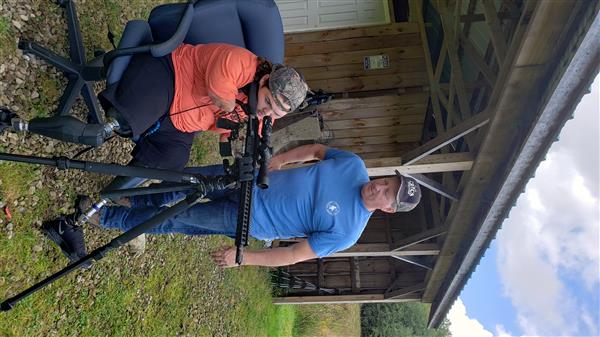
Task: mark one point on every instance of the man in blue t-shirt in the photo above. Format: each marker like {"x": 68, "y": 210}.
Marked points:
{"x": 328, "y": 203}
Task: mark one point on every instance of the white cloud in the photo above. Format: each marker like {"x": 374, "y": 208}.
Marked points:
{"x": 462, "y": 325}
{"x": 554, "y": 231}
{"x": 501, "y": 332}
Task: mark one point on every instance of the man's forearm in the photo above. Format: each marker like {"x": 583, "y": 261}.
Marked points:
{"x": 303, "y": 154}
{"x": 275, "y": 257}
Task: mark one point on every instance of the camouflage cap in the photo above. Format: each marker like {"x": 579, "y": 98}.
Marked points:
{"x": 287, "y": 82}
{"x": 409, "y": 194}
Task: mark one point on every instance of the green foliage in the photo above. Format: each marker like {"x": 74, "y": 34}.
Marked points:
{"x": 327, "y": 320}
{"x": 399, "y": 319}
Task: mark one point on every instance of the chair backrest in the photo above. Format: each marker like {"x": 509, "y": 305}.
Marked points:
{"x": 252, "y": 24}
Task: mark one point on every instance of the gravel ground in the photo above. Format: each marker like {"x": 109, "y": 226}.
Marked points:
{"x": 31, "y": 88}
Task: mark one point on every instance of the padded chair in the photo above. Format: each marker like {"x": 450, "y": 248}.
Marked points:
{"x": 252, "y": 24}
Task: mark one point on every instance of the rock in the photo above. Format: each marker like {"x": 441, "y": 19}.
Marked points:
{"x": 137, "y": 246}
{"x": 17, "y": 24}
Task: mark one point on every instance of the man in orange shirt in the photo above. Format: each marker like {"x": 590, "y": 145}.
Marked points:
{"x": 162, "y": 102}
{"x": 207, "y": 80}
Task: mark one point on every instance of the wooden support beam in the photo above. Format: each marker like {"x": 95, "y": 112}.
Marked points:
{"x": 420, "y": 237}
{"x": 436, "y": 215}
{"x": 496, "y": 34}
{"x": 394, "y": 284}
{"x": 390, "y": 241}
{"x": 444, "y": 100}
{"x": 420, "y": 261}
{"x": 439, "y": 65}
{"x": 355, "y": 274}
{"x": 320, "y": 273}
{"x": 450, "y": 27}
{"x": 367, "y": 83}
{"x": 405, "y": 291}
{"x": 453, "y": 117}
{"x": 474, "y": 56}
{"x": 356, "y": 43}
{"x": 363, "y": 103}
{"x": 469, "y": 86}
{"x": 460, "y": 161}
{"x": 383, "y": 249}
{"x": 448, "y": 103}
{"x": 433, "y": 84}
{"x": 377, "y": 167}
{"x": 351, "y": 33}
{"x": 447, "y": 137}
{"x": 339, "y": 299}
{"x": 469, "y": 18}
{"x": 467, "y": 22}
{"x": 353, "y": 56}
{"x": 406, "y": 279}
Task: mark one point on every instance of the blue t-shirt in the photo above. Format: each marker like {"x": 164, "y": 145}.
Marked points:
{"x": 321, "y": 202}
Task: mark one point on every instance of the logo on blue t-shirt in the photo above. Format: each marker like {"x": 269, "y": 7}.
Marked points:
{"x": 332, "y": 208}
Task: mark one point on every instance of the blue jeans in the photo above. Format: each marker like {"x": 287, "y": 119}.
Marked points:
{"x": 218, "y": 216}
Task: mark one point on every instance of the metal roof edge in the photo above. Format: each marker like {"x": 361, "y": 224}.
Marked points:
{"x": 572, "y": 85}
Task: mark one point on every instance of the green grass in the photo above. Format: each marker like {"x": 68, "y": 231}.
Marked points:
{"x": 6, "y": 41}
{"x": 326, "y": 320}
{"x": 48, "y": 89}
{"x": 283, "y": 322}
{"x": 4, "y": 28}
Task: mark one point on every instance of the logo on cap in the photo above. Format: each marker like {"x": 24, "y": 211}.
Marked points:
{"x": 411, "y": 188}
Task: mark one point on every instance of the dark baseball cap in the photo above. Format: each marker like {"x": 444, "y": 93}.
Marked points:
{"x": 287, "y": 82}
{"x": 409, "y": 194}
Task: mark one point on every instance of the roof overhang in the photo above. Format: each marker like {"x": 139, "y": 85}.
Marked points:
{"x": 550, "y": 65}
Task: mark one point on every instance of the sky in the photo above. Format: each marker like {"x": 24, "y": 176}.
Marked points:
{"x": 541, "y": 275}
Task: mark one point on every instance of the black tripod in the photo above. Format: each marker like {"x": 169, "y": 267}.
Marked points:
{"x": 239, "y": 175}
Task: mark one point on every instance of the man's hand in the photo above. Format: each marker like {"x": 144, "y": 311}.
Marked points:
{"x": 225, "y": 257}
